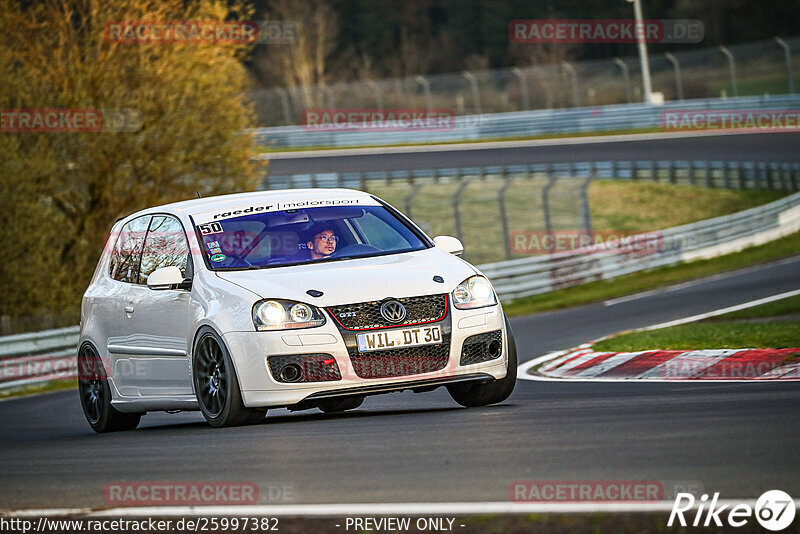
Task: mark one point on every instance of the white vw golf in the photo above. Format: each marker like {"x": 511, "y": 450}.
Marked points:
{"x": 298, "y": 299}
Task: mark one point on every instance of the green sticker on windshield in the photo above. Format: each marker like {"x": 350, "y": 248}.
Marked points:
{"x": 218, "y": 257}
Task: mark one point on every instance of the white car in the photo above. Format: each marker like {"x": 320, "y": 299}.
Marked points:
{"x": 300, "y": 299}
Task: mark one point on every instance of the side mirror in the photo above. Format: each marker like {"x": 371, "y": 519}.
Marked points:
{"x": 450, "y": 244}
{"x": 168, "y": 278}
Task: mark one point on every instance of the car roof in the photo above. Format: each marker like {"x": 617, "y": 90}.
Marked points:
{"x": 235, "y": 200}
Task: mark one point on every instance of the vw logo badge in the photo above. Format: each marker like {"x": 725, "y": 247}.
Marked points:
{"x": 393, "y": 311}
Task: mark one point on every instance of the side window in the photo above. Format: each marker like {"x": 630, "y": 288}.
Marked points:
{"x": 125, "y": 256}
{"x": 166, "y": 246}
{"x": 379, "y": 234}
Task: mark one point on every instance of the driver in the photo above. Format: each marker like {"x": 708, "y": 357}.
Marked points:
{"x": 321, "y": 241}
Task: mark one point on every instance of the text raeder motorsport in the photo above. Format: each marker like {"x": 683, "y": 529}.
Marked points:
{"x": 278, "y": 206}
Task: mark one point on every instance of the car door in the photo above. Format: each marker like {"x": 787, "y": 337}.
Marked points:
{"x": 158, "y": 328}
{"x": 118, "y": 289}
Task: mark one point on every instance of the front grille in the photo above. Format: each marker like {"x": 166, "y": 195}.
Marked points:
{"x": 476, "y": 348}
{"x": 312, "y": 368}
{"x": 367, "y": 315}
{"x": 400, "y": 362}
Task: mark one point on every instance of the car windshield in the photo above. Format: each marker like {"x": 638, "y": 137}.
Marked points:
{"x": 297, "y": 236}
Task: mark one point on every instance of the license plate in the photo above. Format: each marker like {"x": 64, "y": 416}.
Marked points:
{"x": 396, "y": 339}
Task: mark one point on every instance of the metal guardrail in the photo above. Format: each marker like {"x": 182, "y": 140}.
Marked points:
{"x": 38, "y": 357}
{"x": 784, "y": 176}
{"x": 530, "y": 276}
{"x": 517, "y": 124}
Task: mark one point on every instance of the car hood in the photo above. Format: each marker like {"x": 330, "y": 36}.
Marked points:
{"x": 357, "y": 280}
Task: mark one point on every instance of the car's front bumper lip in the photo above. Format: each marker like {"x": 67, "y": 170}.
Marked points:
{"x": 377, "y": 389}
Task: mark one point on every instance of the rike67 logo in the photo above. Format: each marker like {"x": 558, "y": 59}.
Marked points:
{"x": 774, "y": 511}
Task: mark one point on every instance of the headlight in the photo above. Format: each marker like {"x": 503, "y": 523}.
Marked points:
{"x": 285, "y": 314}
{"x": 474, "y": 292}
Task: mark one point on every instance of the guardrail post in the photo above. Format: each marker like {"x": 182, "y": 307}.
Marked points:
{"x": 672, "y": 178}
{"x": 763, "y": 176}
{"x": 732, "y": 66}
{"x": 626, "y": 77}
{"x": 287, "y": 113}
{"x": 455, "y": 201}
{"x": 787, "y": 173}
{"x": 726, "y": 179}
{"x": 783, "y": 171}
{"x": 586, "y": 214}
{"x": 328, "y": 95}
{"x": 377, "y": 90}
{"x": 415, "y": 189}
{"x": 501, "y": 202}
{"x": 551, "y": 181}
{"x": 796, "y": 176}
{"x": 787, "y": 57}
{"x": 574, "y": 77}
{"x": 633, "y": 171}
{"x": 742, "y": 179}
{"x": 676, "y": 68}
{"x": 476, "y": 92}
{"x": 653, "y": 171}
{"x": 523, "y": 88}
{"x": 707, "y": 172}
{"x": 777, "y": 178}
{"x": 426, "y": 87}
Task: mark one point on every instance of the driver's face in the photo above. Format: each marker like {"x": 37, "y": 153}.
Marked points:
{"x": 323, "y": 245}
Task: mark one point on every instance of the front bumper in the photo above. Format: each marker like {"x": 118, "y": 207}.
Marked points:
{"x": 259, "y": 387}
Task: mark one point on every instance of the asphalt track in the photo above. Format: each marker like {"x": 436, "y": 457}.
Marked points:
{"x": 729, "y": 147}
{"x": 737, "y": 439}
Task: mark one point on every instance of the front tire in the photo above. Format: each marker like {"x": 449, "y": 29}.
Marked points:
{"x": 472, "y": 395}
{"x": 95, "y": 395}
{"x": 216, "y": 385}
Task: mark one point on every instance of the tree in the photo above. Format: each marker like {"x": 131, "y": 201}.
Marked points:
{"x": 303, "y": 64}
{"x": 62, "y": 191}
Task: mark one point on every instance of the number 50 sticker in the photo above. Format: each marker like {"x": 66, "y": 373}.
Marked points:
{"x": 775, "y": 510}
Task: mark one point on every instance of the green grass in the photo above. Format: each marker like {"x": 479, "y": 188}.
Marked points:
{"x": 708, "y": 335}
{"x": 636, "y": 282}
{"x": 51, "y": 386}
{"x": 787, "y": 306}
{"x": 772, "y": 84}
{"x": 729, "y": 331}
{"x": 629, "y": 206}
{"x": 642, "y": 206}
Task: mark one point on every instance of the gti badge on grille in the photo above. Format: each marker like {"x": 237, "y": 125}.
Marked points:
{"x": 393, "y": 311}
